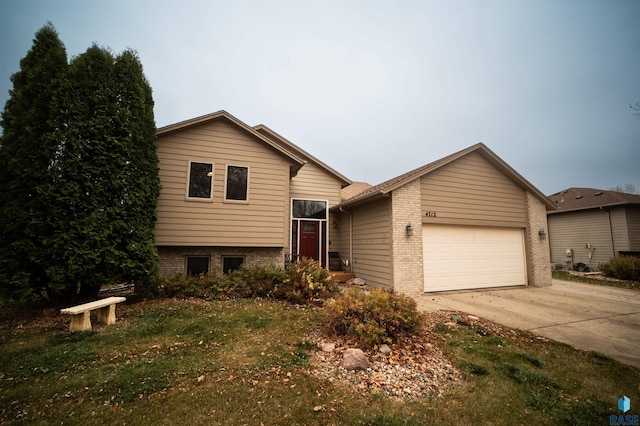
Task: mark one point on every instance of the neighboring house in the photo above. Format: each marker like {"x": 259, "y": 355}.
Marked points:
{"x": 466, "y": 221}
{"x": 590, "y": 226}
{"x": 234, "y": 194}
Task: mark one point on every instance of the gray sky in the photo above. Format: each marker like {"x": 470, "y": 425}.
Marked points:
{"x": 375, "y": 89}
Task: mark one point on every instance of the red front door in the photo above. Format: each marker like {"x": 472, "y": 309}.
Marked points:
{"x": 310, "y": 240}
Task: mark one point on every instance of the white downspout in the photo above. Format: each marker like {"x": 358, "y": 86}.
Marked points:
{"x": 350, "y": 238}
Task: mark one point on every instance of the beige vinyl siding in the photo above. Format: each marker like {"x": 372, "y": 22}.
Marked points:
{"x": 471, "y": 191}
{"x": 263, "y": 221}
{"x": 314, "y": 183}
{"x": 372, "y": 243}
{"x": 633, "y": 226}
{"x": 573, "y": 230}
{"x": 339, "y": 235}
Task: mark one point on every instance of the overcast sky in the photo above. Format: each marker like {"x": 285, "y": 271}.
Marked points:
{"x": 375, "y": 89}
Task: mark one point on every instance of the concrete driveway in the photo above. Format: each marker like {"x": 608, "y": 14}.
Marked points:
{"x": 586, "y": 316}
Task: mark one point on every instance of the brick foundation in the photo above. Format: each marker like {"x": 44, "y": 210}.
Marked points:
{"x": 173, "y": 260}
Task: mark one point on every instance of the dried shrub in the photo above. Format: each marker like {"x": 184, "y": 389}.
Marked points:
{"x": 306, "y": 282}
{"x": 371, "y": 318}
{"x": 622, "y": 268}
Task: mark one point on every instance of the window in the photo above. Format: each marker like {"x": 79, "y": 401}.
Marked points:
{"x": 237, "y": 183}
{"x": 200, "y": 177}
{"x": 231, "y": 263}
{"x": 309, "y": 209}
{"x": 197, "y": 265}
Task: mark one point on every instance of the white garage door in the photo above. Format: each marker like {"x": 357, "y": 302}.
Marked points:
{"x": 470, "y": 257}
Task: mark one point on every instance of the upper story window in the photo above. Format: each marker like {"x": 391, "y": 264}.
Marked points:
{"x": 237, "y": 185}
{"x": 200, "y": 180}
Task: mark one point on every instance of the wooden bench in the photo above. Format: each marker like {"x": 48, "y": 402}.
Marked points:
{"x": 81, "y": 319}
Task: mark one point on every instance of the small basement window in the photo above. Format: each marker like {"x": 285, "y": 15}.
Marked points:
{"x": 231, "y": 263}
{"x": 197, "y": 265}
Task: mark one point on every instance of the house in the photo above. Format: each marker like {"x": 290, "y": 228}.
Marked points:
{"x": 466, "y": 221}
{"x": 590, "y": 226}
{"x": 234, "y": 194}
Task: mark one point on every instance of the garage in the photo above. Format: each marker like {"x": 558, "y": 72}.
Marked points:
{"x": 472, "y": 257}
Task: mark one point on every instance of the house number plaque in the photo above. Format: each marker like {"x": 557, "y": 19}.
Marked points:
{"x": 430, "y": 214}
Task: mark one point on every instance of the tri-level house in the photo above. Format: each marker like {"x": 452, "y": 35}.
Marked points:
{"x": 233, "y": 194}
{"x": 236, "y": 194}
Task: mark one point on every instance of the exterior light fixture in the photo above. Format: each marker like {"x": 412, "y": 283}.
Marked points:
{"x": 542, "y": 234}
{"x": 409, "y": 229}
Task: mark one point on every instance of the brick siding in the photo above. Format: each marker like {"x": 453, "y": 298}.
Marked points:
{"x": 538, "y": 255}
{"x": 407, "y": 251}
{"x": 173, "y": 259}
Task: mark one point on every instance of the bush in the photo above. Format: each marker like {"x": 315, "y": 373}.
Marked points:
{"x": 256, "y": 280}
{"x": 306, "y": 282}
{"x": 623, "y": 268}
{"x": 371, "y": 318}
{"x": 210, "y": 286}
{"x": 303, "y": 282}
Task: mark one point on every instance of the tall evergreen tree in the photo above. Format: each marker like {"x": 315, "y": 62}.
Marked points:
{"x": 97, "y": 184}
{"x": 25, "y": 152}
{"x": 107, "y": 174}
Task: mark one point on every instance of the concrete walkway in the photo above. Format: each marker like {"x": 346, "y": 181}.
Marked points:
{"x": 586, "y": 316}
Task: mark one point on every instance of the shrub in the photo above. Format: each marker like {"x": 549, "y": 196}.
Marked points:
{"x": 306, "y": 282}
{"x": 371, "y": 318}
{"x": 623, "y": 268}
{"x": 210, "y": 286}
{"x": 303, "y": 282}
{"x": 256, "y": 280}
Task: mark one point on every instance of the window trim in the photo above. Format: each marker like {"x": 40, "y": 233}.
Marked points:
{"x": 226, "y": 184}
{"x": 199, "y": 199}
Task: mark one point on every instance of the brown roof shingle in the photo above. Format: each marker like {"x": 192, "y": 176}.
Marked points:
{"x": 589, "y": 198}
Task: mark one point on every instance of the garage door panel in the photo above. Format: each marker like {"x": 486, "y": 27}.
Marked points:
{"x": 466, "y": 257}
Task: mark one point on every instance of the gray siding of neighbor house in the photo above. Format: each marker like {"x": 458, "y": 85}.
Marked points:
{"x": 573, "y": 230}
{"x": 619, "y": 229}
{"x": 372, "y": 242}
{"x": 633, "y": 224}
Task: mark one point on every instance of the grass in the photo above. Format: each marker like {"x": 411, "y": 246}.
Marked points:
{"x": 247, "y": 361}
{"x": 566, "y": 276}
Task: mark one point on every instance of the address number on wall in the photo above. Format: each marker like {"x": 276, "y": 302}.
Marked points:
{"x": 430, "y": 214}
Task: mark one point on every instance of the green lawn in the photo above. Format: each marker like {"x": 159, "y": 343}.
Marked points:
{"x": 247, "y": 362}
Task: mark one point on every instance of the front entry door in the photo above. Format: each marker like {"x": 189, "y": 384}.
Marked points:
{"x": 310, "y": 240}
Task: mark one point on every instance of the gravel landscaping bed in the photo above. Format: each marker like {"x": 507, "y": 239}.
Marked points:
{"x": 414, "y": 367}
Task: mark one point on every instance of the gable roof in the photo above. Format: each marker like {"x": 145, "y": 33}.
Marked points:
{"x": 385, "y": 188}
{"x": 572, "y": 199}
{"x": 290, "y": 154}
{"x": 288, "y": 145}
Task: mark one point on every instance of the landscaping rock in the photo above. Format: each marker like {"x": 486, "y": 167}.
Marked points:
{"x": 384, "y": 349}
{"x": 357, "y": 281}
{"x": 328, "y": 347}
{"x": 355, "y": 359}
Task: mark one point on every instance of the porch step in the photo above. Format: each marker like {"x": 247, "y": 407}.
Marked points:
{"x": 342, "y": 277}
